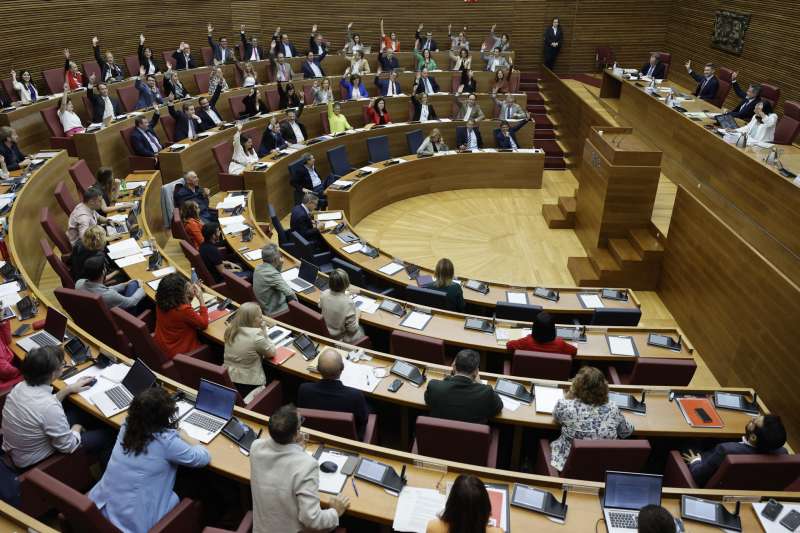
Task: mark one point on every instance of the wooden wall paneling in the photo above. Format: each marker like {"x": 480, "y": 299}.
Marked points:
{"x": 741, "y": 314}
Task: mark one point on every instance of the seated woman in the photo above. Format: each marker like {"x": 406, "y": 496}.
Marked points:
{"x": 249, "y": 76}
{"x": 353, "y": 86}
{"x": 24, "y": 86}
{"x": 216, "y": 79}
{"x": 543, "y": 338}
{"x": 389, "y": 42}
{"x": 377, "y": 112}
{"x": 70, "y": 121}
{"x": 173, "y": 85}
{"x": 338, "y": 310}
{"x": 136, "y": 490}
{"x": 322, "y": 93}
{"x": 244, "y": 153}
{"x": 72, "y": 74}
{"x": 146, "y": 59}
{"x": 177, "y": 322}
{"x": 272, "y": 140}
{"x": 468, "y": 84}
{"x": 457, "y": 40}
{"x": 9, "y": 373}
{"x": 761, "y": 127}
{"x": 288, "y": 96}
{"x": 358, "y": 64}
{"x": 336, "y": 119}
{"x": 93, "y": 243}
{"x": 461, "y": 60}
{"x": 109, "y": 186}
{"x": 424, "y": 60}
{"x": 586, "y": 413}
{"x": 253, "y": 105}
{"x": 445, "y": 272}
{"x": 352, "y": 43}
{"x": 246, "y": 346}
{"x": 500, "y": 84}
{"x": 432, "y": 144}
{"x": 190, "y": 218}
{"x": 467, "y": 510}
{"x": 502, "y": 42}
{"x": 423, "y": 111}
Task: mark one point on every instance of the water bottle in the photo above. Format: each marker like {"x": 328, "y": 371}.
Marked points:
{"x": 194, "y": 275}
{"x": 741, "y": 142}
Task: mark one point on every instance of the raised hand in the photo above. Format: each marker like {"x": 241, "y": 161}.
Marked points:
{"x": 66, "y": 53}
{"x": 449, "y": 29}
{"x": 141, "y": 38}
{"x": 92, "y": 78}
{"x": 689, "y": 65}
{"x": 155, "y": 106}
{"x": 238, "y": 125}
{"x": 241, "y": 28}
{"x": 94, "y": 41}
{"x": 13, "y": 74}
{"x": 66, "y": 87}
{"x": 349, "y": 25}
{"x": 493, "y": 27}
{"x": 210, "y": 28}
{"x": 314, "y": 28}
{"x": 142, "y": 72}
{"x": 734, "y": 75}
{"x": 419, "y": 28}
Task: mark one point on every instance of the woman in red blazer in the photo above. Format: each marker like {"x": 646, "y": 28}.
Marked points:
{"x": 176, "y": 322}
{"x": 378, "y": 113}
{"x": 543, "y": 338}
{"x": 9, "y": 373}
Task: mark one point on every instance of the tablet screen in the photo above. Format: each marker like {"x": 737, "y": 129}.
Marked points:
{"x": 700, "y": 509}
{"x": 372, "y": 470}
{"x": 726, "y": 399}
{"x": 529, "y": 496}
{"x": 506, "y": 386}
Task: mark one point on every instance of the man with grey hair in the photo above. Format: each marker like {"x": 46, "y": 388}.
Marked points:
{"x": 191, "y": 190}
{"x": 301, "y": 221}
{"x": 271, "y": 290}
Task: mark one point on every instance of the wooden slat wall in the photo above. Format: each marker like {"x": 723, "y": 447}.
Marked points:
{"x": 770, "y": 48}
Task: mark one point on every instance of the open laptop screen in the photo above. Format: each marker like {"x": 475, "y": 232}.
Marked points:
{"x": 55, "y": 324}
{"x": 631, "y": 491}
{"x": 215, "y": 399}
{"x": 308, "y": 271}
{"x": 138, "y": 378}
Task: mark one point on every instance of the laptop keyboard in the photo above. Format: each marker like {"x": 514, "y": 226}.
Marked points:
{"x": 624, "y": 520}
{"x": 44, "y": 339}
{"x": 120, "y": 396}
{"x": 204, "y": 421}
{"x": 321, "y": 284}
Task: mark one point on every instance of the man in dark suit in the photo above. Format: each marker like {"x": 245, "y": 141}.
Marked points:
{"x": 144, "y": 139}
{"x": 282, "y": 44}
{"x": 425, "y": 83}
{"x": 191, "y": 190}
{"x": 763, "y": 434}
{"x": 10, "y": 152}
{"x": 183, "y": 57}
{"x": 425, "y": 43}
{"x": 187, "y": 123}
{"x": 707, "y": 84}
{"x": 316, "y": 44}
{"x": 330, "y": 394}
{"x": 461, "y": 396}
{"x": 747, "y": 107}
{"x": 388, "y": 87}
{"x": 469, "y": 137}
{"x": 388, "y": 61}
{"x": 109, "y": 70}
{"x": 312, "y": 66}
{"x": 221, "y": 52}
{"x": 506, "y": 136}
{"x": 309, "y": 178}
{"x": 300, "y": 218}
{"x": 653, "y": 68}
{"x": 290, "y": 128}
{"x": 103, "y": 105}
{"x": 252, "y": 51}
{"x": 208, "y": 110}
{"x": 552, "y": 43}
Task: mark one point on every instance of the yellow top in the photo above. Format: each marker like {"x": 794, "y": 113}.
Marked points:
{"x": 338, "y": 123}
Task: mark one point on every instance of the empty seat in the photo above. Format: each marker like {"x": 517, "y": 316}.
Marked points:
{"x": 223, "y": 153}
{"x": 655, "y": 371}
{"x": 771, "y": 93}
{"x": 202, "y": 80}
{"x": 208, "y": 59}
{"x": 378, "y": 148}
{"x": 340, "y": 164}
{"x": 417, "y": 347}
{"x": 128, "y": 97}
{"x": 414, "y": 140}
{"x": 283, "y": 237}
{"x": 724, "y": 87}
{"x": 245, "y": 526}
{"x": 666, "y": 58}
{"x": 54, "y": 230}
{"x": 616, "y": 317}
{"x": 303, "y": 249}
{"x": 340, "y": 424}
{"x": 81, "y": 176}
{"x": 541, "y": 365}
{"x": 237, "y": 288}
{"x": 463, "y": 442}
{"x": 57, "y": 264}
{"x": 54, "y": 79}
{"x": 89, "y": 311}
{"x": 518, "y": 312}
{"x": 757, "y": 472}
{"x": 64, "y": 198}
{"x": 789, "y": 124}
{"x": 168, "y": 125}
{"x": 132, "y": 64}
{"x": 427, "y": 297}
{"x": 589, "y": 459}
{"x": 303, "y": 317}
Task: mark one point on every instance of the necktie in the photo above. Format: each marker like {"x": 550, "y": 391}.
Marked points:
{"x": 703, "y": 86}
{"x": 153, "y": 141}
{"x": 428, "y": 88}
{"x": 650, "y": 72}
{"x": 508, "y": 112}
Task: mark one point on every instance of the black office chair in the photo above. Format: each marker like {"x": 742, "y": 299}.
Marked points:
{"x": 358, "y": 278}
{"x": 517, "y": 312}
{"x": 378, "y": 148}
{"x": 414, "y": 140}
{"x": 426, "y": 297}
{"x": 303, "y": 249}
{"x": 283, "y": 238}
{"x": 616, "y": 317}
{"x": 340, "y": 165}
{"x": 296, "y": 180}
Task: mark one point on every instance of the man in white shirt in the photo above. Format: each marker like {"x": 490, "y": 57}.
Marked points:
{"x": 208, "y": 114}
{"x": 292, "y": 131}
{"x": 283, "y": 70}
{"x": 312, "y": 68}
{"x": 252, "y": 51}
{"x": 468, "y": 109}
{"x": 104, "y": 107}
{"x": 284, "y": 481}
{"x": 469, "y": 138}
{"x": 495, "y": 61}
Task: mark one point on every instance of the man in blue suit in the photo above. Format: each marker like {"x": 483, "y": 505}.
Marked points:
{"x": 143, "y": 138}
{"x": 300, "y": 219}
{"x": 312, "y": 66}
{"x": 707, "y": 84}
{"x": 747, "y": 107}
{"x": 389, "y": 87}
{"x": 148, "y": 92}
{"x": 221, "y": 52}
{"x": 469, "y": 137}
{"x": 764, "y": 434}
{"x": 506, "y": 136}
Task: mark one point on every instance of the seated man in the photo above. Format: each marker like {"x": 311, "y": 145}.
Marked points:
{"x": 312, "y": 67}
{"x": 148, "y": 90}
{"x": 191, "y": 190}
{"x": 495, "y": 61}
{"x": 221, "y": 52}
{"x": 388, "y": 61}
{"x": 461, "y": 396}
{"x": 208, "y": 110}
{"x": 468, "y": 109}
{"x": 211, "y": 255}
{"x": 509, "y": 109}
{"x": 307, "y": 178}
{"x": 187, "y": 123}
{"x": 469, "y": 137}
{"x": 284, "y": 481}
{"x": 654, "y": 68}
{"x": 144, "y": 139}
{"x": 707, "y": 84}
{"x": 10, "y": 152}
{"x": 425, "y": 83}
{"x": 506, "y": 137}
{"x": 109, "y": 70}
{"x": 747, "y": 107}
{"x": 655, "y": 519}
{"x": 129, "y": 296}
{"x": 388, "y": 87}
{"x": 300, "y": 220}
{"x": 763, "y": 434}
{"x": 85, "y": 215}
{"x": 104, "y": 107}
{"x": 271, "y": 290}
{"x": 329, "y": 394}
{"x": 293, "y": 131}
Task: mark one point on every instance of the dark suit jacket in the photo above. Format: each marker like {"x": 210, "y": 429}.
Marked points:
{"x": 745, "y": 110}
{"x": 387, "y": 64}
{"x": 280, "y": 49}
{"x": 178, "y": 91}
{"x": 12, "y": 155}
{"x": 321, "y": 50}
{"x": 460, "y": 398}
{"x": 143, "y": 60}
{"x": 704, "y": 469}
{"x": 183, "y": 194}
{"x": 422, "y": 40}
{"x": 502, "y": 141}
{"x": 551, "y": 51}
{"x": 207, "y": 122}
{"x": 658, "y": 73}
{"x": 99, "y": 105}
{"x": 271, "y": 141}
{"x": 421, "y": 85}
{"x": 300, "y": 221}
{"x": 332, "y": 395}
{"x": 461, "y": 136}
{"x": 180, "y": 61}
{"x": 141, "y": 146}
{"x": 218, "y": 51}
{"x": 288, "y": 133}
{"x": 113, "y": 70}
{"x": 709, "y": 91}
{"x": 383, "y": 86}
{"x": 182, "y": 123}
{"x": 306, "y": 68}
{"x": 418, "y": 109}
{"x": 247, "y": 45}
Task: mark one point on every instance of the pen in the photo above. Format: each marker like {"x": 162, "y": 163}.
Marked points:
{"x": 353, "y": 482}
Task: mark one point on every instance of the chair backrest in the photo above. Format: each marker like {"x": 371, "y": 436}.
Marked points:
{"x": 273, "y": 98}
{"x": 417, "y": 347}
{"x": 193, "y": 256}
{"x": 435, "y": 437}
{"x": 662, "y": 371}
{"x": 132, "y": 64}
{"x": 82, "y": 176}
{"x": 725, "y": 74}
{"x": 604, "y": 55}
{"x": 355, "y": 273}
{"x": 541, "y": 365}
{"x": 306, "y": 318}
{"x": 208, "y": 56}
{"x": 789, "y": 124}
{"x": 589, "y": 459}
{"x": 237, "y": 105}
{"x": 606, "y": 316}
{"x": 64, "y": 197}
{"x": 192, "y": 370}
{"x": 513, "y": 81}
{"x": 455, "y": 82}
{"x": 255, "y": 135}
{"x": 756, "y": 472}
{"x": 202, "y": 80}
{"x": 168, "y": 59}
{"x": 326, "y": 125}
{"x": 168, "y": 123}
{"x": 57, "y": 264}
{"x": 144, "y": 345}
{"x": 427, "y": 297}
{"x": 294, "y": 173}
{"x": 771, "y": 93}
{"x": 238, "y": 288}
{"x": 378, "y": 148}
{"x": 666, "y": 58}
{"x": 128, "y": 97}
{"x": 283, "y": 237}
{"x": 8, "y": 87}
{"x": 54, "y": 79}
{"x": 339, "y": 423}
{"x": 88, "y": 105}
{"x": 54, "y": 231}
{"x": 223, "y": 153}
{"x": 177, "y": 227}
{"x": 126, "y": 138}
{"x": 414, "y": 140}
{"x": 518, "y": 312}
{"x": 92, "y": 67}
{"x": 303, "y": 248}
{"x": 90, "y": 312}
{"x": 723, "y": 88}
{"x": 51, "y": 120}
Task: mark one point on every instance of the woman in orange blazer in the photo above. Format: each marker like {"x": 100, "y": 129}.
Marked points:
{"x": 176, "y": 322}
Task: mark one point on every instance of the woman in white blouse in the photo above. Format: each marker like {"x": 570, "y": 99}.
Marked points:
{"x": 249, "y": 76}
{"x": 244, "y": 152}
{"x": 338, "y": 310}
{"x": 359, "y": 65}
{"x": 246, "y": 346}
{"x": 24, "y": 87}
{"x": 70, "y": 121}
{"x": 322, "y": 93}
{"x": 352, "y": 43}
{"x": 761, "y": 127}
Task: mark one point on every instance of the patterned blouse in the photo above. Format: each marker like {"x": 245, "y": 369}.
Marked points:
{"x": 582, "y": 421}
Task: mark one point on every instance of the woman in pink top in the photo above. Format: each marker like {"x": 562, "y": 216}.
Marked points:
{"x": 543, "y": 338}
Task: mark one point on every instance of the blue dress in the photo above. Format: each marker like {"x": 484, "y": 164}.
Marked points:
{"x": 135, "y": 491}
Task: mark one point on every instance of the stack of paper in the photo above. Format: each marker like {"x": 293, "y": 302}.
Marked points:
{"x": 160, "y": 273}
{"x": 253, "y": 255}
{"x": 368, "y": 169}
{"x": 359, "y": 376}
{"x": 353, "y": 248}
{"x": 391, "y": 269}
{"x": 621, "y": 345}
{"x": 416, "y": 507}
{"x": 329, "y": 215}
{"x": 234, "y": 228}
{"x": 232, "y": 202}
{"x": 123, "y": 248}
{"x": 225, "y": 221}
{"x": 416, "y": 320}
{"x": 366, "y": 305}
{"x": 516, "y": 297}
{"x": 590, "y": 301}
{"x": 332, "y": 483}
{"x": 130, "y": 185}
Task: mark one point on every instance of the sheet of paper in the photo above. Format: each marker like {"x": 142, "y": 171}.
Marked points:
{"x": 352, "y": 248}
{"x": 366, "y": 305}
{"x": 416, "y": 320}
{"x": 369, "y": 169}
{"x": 161, "y": 272}
{"x": 621, "y": 345}
{"x": 546, "y": 398}
{"x": 510, "y": 404}
{"x": 329, "y": 215}
{"x": 9, "y": 288}
{"x": 253, "y": 255}
{"x": 333, "y": 482}
{"x": 391, "y": 269}
{"x": 416, "y": 507}
{"x": 225, "y": 221}
{"x": 115, "y": 372}
{"x": 153, "y": 284}
{"x": 230, "y": 202}
{"x": 118, "y": 218}
{"x": 343, "y": 183}
{"x": 329, "y": 224}
{"x": 359, "y": 376}
{"x": 234, "y": 228}
{"x": 591, "y": 301}
{"x": 7, "y": 300}
{"x": 510, "y": 334}
{"x": 123, "y": 248}
{"x": 130, "y": 260}
{"x": 135, "y": 184}
{"x": 517, "y": 297}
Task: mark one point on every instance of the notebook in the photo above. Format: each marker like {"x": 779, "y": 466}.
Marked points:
{"x": 699, "y": 412}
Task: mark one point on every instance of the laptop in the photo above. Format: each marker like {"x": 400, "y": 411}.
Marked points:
{"x": 726, "y": 121}
{"x": 306, "y": 277}
{"x": 625, "y": 494}
{"x": 212, "y": 410}
{"x": 119, "y": 398}
{"x": 55, "y": 325}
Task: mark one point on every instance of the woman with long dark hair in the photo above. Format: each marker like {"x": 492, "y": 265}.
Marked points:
{"x": 467, "y": 510}
{"x": 543, "y": 338}
{"x": 136, "y": 490}
{"x": 177, "y": 323}
{"x": 377, "y": 112}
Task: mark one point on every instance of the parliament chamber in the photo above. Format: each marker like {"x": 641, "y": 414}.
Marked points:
{"x": 574, "y": 227}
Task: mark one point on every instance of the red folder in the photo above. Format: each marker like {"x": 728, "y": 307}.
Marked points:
{"x": 690, "y": 408}
{"x": 217, "y": 314}
{"x": 282, "y": 354}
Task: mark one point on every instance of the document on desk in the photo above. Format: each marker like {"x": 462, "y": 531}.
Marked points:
{"x": 516, "y": 297}
{"x": 416, "y": 320}
{"x": 590, "y": 301}
{"x": 153, "y": 283}
{"x": 546, "y": 398}
{"x": 369, "y": 169}
{"x": 123, "y": 262}
{"x": 234, "y": 228}
{"x": 9, "y": 288}
{"x": 291, "y": 274}
{"x": 366, "y": 305}
{"x": 391, "y": 269}
{"x": 253, "y": 255}
{"x": 359, "y": 377}
{"x": 231, "y": 202}
{"x": 237, "y": 219}
{"x": 416, "y": 507}
{"x": 123, "y": 248}
{"x": 509, "y": 404}
{"x": 510, "y": 334}
{"x": 332, "y": 483}
{"x": 160, "y": 273}
{"x": 329, "y": 215}
{"x": 621, "y": 345}
{"x": 131, "y": 185}
{"x": 353, "y": 248}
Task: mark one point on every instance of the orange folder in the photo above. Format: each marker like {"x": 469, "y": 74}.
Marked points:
{"x": 690, "y": 406}
{"x": 217, "y": 314}
{"x": 282, "y": 354}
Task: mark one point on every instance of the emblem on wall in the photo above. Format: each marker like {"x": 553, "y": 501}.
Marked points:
{"x": 729, "y": 30}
